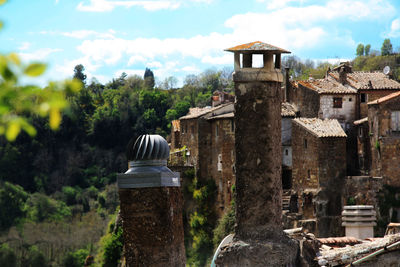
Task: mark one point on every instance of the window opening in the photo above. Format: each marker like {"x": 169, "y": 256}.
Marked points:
{"x": 337, "y": 102}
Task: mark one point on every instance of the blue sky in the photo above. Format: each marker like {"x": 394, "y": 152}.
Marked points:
{"x": 181, "y": 37}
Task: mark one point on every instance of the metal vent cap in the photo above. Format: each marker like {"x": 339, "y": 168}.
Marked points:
{"x": 148, "y": 147}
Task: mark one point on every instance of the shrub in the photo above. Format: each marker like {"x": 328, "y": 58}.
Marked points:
{"x": 12, "y": 201}
{"x": 7, "y": 256}
{"x": 41, "y": 207}
{"x": 76, "y": 259}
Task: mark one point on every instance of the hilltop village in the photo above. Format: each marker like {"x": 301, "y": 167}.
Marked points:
{"x": 340, "y": 147}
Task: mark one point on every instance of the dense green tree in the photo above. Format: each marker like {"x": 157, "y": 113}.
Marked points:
{"x": 360, "y": 50}
{"x": 367, "y": 49}
{"x": 149, "y": 78}
{"x": 78, "y": 73}
{"x": 7, "y": 256}
{"x": 387, "y": 48}
{"x": 12, "y": 201}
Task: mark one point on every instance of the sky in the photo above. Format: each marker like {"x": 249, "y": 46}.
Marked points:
{"x": 182, "y": 37}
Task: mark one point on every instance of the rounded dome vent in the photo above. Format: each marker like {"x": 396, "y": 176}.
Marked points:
{"x": 148, "y": 147}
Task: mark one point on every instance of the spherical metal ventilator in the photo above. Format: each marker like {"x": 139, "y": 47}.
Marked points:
{"x": 147, "y": 156}
{"x": 148, "y": 147}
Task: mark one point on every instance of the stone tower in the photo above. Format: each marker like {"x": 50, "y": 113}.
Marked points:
{"x": 259, "y": 239}
{"x": 151, "y": 206}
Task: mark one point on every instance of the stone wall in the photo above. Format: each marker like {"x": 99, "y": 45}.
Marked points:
{"x": 222, "y": 156}
{"x": 319, "y": 168}
{"x": 362, "y": 190}
{"x": 189, "y": 138}
{"x": 385, "y": 144}
{"x": 371, "y": 96}
{"x": 345, "y": 114}
{"x": 305, "y": 99}
{"x": 305, "y": 160}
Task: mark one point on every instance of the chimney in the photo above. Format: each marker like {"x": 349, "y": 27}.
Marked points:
{"x": 359, "y": 221}
{"x": 258, "y": 233}
{"x": 287, "y": 84}
{"x": 342, "y": 76}
{"x": 151, "y": 206}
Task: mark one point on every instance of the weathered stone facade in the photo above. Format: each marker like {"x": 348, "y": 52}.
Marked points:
{"x": 152, "y": 222}
{"x": 319, "y": 169}
{"x": 222, "y": 167}
{"x": 383, "y": 119}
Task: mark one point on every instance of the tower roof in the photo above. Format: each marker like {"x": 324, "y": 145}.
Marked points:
{"x": 257, "y": 46}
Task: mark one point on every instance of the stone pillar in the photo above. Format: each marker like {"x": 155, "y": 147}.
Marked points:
{"x": 259, "y": 239}
{"x": 151, "y": 206}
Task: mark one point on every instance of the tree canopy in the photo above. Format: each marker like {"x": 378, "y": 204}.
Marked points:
{"x": 387, "y": 48}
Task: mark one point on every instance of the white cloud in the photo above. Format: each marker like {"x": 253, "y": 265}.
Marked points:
{"x": 24, "y": 46}
{"x": 135, "y": 59}
{"x": 129, "y": 72}
{"x": 395, "y": 28}
{"x": 154, "y": 64}
{"x": 40, "y": 54}
{"x": 82, "y": 34}
{"x": 149, "y": 5}
{"x": 218, "y": 60}
{"x": 190, "y": 69}
{"x": 293, "y": 28}
{"x": 108, "y": 5}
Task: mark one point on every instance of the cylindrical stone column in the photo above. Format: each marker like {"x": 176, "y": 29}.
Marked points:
{"x": 151, "y": 206}
{"x": 259, "y": 239}
{"x": 258, "y": 156}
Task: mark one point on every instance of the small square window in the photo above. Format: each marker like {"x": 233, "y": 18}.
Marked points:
{"x": 363, "y": 98}
{"x": 350, "y": 99}
{"x": 337, "y": 102}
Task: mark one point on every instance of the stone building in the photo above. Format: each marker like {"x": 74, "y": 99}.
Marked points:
{"x": 343, "y": 95}
{"x": 208, "y": 136}
{"x": 288, "y": 113}
{"x": 319, "y": 169}
{"x": 221, "y": 97}
{"x": 384, "y": 128}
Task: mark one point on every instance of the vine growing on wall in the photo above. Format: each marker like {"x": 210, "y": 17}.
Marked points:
{"x": 201, "y": 222}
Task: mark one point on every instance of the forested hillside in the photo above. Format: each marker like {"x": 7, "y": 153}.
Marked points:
{"x": 58, "y": 190}
{"x": 58, "y": 198}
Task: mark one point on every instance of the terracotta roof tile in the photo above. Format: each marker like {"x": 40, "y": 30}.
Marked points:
{"x": 385, "y": 98}
{"x": 198, "y": 112}
{"x": 339, "y": 241}
{"x": 361, "y": 80}
{"x": 256, "y": 46}
{"x": 321, "y": 128}
{"x": 288, "y": 110}
{"x": 222, "y": 116}
{"x": 328, "y": 86}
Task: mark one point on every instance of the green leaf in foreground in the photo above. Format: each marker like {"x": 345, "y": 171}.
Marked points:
{"x": 35, "y": 69}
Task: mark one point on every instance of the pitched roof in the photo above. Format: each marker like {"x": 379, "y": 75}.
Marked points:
{"x": 322, "y": 128}
{"x": 348, "y": 254}
{"x": 198, "y": 112}
{"x": 385, "y": 98}
{"x": 257, "y": 46}
{"x": 327, "y": 86}
{"x": 288, "y": 110}
{"x": 223, "y": 116}
{"x": 361, "y": 80}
